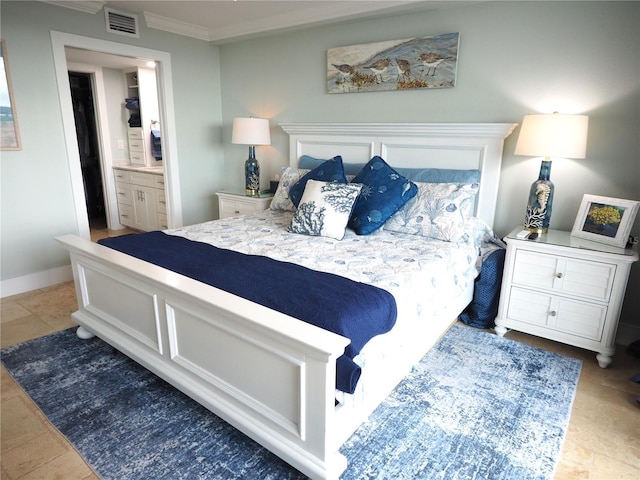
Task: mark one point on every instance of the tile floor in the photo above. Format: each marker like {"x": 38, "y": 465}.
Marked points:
{"x": 602, "y": 443}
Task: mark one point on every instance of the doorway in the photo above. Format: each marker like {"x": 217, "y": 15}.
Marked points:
{"x": 59, "y": 42}
{"x": 87, "y": 136}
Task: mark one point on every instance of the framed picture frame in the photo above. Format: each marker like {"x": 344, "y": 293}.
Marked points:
{"x": 9, "y": 132}
{"x": 605, "y": 219}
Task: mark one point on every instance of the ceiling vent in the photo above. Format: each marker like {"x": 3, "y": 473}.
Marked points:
{"x": 122, "y": 23}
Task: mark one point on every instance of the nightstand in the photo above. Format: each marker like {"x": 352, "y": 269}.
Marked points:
{"x": 231, "y": 203}
{"x": 565, "y": 289}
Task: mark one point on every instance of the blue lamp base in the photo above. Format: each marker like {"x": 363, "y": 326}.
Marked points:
{"x": 252, "y": 174}
{"x": 538, "y": 214}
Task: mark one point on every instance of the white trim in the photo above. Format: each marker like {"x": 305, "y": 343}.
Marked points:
{"x": 86, "y": 6}
{"x": 59, "y": 41}
{"x": 172, "y": 25}
{"x": 34, "y": 281}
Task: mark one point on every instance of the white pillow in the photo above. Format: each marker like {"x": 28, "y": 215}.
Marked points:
{"x": 288, "y": 177}
{"x": 439, "y": 211}
{"x": 325, "y": 208}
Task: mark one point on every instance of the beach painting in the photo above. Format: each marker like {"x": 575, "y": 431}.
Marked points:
{"x": 9, "y": 135}
{"x": 423, "y": 62}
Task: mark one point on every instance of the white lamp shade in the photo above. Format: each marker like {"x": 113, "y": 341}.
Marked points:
{"x": 251, "y": 131}
{"x": 553, "y": 135}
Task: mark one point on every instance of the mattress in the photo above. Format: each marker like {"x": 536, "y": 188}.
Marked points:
{"x": 423, "y": 275}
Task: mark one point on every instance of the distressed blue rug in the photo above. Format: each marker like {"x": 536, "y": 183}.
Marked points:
{"x": 477, "y": 406}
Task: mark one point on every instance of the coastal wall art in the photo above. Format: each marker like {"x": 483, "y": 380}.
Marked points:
{"x": 9, "y": 134}
{"x": 423, "y": 62}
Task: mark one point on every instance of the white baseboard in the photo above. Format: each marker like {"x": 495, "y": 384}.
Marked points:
{"x": 627, "y": 333}
{"x": 34, "y": 281}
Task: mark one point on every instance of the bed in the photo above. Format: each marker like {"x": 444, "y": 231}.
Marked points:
{"x": 268, "y": 374}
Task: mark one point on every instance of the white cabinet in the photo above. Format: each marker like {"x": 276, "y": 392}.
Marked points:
{"x": 565, "y": 289}
{"x": 141, "y": 84}
{"x": 231, "y": 204}
{"x": 141, "y": 199}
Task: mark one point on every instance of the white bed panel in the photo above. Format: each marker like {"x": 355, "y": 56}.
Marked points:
{"x": 103, "y": 296}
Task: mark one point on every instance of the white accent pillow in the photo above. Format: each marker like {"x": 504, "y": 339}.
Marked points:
{"x": 288, "y": 177}
{"x": 439, "y": 211}
{"x": 325, "y": 208}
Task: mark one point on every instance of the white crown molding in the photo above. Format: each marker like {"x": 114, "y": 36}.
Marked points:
{"x": 171, "y": 25}
{"x": 497, "y": 130}
{"x": 86, "y": 6}
{"x": 328, "y": 12}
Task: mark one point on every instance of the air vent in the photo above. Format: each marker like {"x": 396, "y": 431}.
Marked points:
{"x": 122, "y": 23}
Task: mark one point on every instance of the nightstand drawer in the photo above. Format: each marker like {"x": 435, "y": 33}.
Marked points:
{"x": 562, "y": 314}
{"x": 230, "y": 208}
{"x": 231, "y": 204}
{"x": 589, "y": 279}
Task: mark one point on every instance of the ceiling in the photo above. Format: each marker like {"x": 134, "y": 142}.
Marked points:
{"x": 221, "y": 21}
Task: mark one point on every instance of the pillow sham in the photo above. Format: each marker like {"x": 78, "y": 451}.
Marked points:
{"x": 384, "y": 191}
{"x": 309, "y": 162}
{"x": 329, "y": 171}
{"x": 440, "y": 175}
{"x": 288, "y": 177}
{"x": 439, "y": 211}
{"x": 324, "y": 209}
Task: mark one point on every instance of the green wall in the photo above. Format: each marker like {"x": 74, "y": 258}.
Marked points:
{"x": 515, "y": 58}
{"x": 36, "y": 196}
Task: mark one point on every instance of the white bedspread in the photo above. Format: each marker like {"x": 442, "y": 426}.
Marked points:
{"x": 422, "y": 274}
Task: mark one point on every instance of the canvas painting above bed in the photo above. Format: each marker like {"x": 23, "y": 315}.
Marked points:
{"x": 261, "y": 369}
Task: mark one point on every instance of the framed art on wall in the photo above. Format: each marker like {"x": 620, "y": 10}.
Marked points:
{"x": 605, "y": 219}
{"x": 410, "y": 63}
{"x": 9, "y": 134}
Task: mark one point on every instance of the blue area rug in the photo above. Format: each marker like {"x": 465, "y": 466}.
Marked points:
{"x": 477, "y": 406}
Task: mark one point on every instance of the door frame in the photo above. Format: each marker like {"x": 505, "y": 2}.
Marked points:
{"x": 59, "y": 41}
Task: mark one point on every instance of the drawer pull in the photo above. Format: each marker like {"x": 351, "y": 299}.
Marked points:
{"x": 237, "y": 212}
{"x": 552, "y": 313}
{"x": 559, "y": 275}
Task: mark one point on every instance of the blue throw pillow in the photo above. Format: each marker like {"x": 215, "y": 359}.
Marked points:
{"x": 384, "y": 191}
{"x": 483, "y": 309}
{"x": 329, "y": 171}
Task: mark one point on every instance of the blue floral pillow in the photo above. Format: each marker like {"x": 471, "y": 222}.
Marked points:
{"x": 288, "y": 177}
{"x": 324, "y": 209}
{"x": 439, "y": 210}
{"x": 384, "y": 191}
{"x": 329, "y": 171}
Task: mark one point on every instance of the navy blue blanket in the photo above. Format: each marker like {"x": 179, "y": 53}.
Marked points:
{"x": 355, "y": 310}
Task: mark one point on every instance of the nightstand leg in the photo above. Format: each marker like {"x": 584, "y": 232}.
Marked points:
{"x": 604, "y": 360}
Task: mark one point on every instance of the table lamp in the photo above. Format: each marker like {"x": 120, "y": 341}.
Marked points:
{"x": 251, "y": 131}
{"x": 549, "y": 135}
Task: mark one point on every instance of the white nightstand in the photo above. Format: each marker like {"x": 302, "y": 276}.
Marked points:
{"x": 565, "y": 289}
{"x": 232, "y": 203}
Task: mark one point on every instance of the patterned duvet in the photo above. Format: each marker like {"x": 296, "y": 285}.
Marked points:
{"x": 422, "y": 274}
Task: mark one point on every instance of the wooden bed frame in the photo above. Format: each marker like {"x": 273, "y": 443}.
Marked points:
{"x": 269, "y": 375}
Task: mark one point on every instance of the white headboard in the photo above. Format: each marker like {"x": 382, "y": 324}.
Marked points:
{"x": 411, "y": 145}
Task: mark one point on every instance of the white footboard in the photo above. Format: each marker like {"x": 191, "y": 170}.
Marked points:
{"x": 267, "y": 374}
